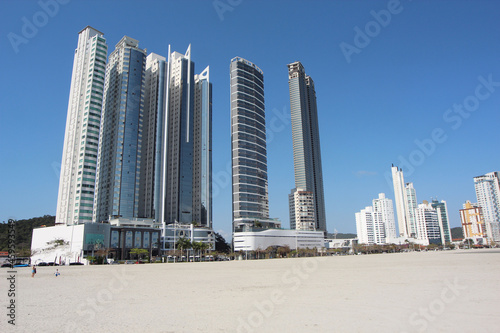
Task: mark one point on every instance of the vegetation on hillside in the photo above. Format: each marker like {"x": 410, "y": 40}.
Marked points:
{"x": 24, "y": 231}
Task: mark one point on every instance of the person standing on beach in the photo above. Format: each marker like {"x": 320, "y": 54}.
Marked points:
{"x": 33, "y": 271}
{"x": 57, "y": 272}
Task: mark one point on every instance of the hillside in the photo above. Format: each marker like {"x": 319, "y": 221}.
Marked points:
{"x": 24, "y": 230}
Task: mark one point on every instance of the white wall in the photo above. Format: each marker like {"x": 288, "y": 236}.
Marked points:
{"x": 41, "y": 251}
{"x": 251, "y": 241}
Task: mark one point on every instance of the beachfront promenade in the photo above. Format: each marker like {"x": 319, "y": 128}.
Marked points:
{"x": 446, "y": 291}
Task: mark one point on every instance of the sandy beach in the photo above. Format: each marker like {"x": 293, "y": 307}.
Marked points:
{"x": 447, "y": 291}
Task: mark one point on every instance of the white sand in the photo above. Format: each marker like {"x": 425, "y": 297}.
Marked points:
{"x": 451, "y": 291}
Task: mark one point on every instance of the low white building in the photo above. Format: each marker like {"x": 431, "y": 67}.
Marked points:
{"x": 262, "y": 239}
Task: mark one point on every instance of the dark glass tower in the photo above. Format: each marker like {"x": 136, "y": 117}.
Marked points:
{"x": 248, "y": 137}
{"x": 120, "y": 140}
{"x": 305, "y": 133}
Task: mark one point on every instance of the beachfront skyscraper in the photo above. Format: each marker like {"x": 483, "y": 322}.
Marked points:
{"x": 186, "y": 152}
{"x": 384, "y": 210}
{"x": 400, "y": 198}
{"x": 120, "y": 141}
{"x": 248, "y": 143}
{"x": 305, "y": 136}
{"x": 406, "y": 203}
{"x": 488, "y": 198}
{"x": 152, "y": 129}
{"x": 75, "y": 200}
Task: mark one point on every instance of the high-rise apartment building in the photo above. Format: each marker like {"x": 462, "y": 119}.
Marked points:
{"x": 406, "y": 203}
{"x": 385, "y": 212}
{"x": 488, "y": 198}
{"x": 444, "y": 224}
{"x": 302, "y": 209}
{"x": 410, "y": 206}
{"x": 186, "y": 194}
{"x": 400, "y": 198}
{"x": 152, "y": 130}
{"x": 427, "y": 223}
{"x": 75, "y": 200}
{"x": 375, "y": 224}
{"x": 248, "y": 143}
{"x": 473, "y": 226}
{"x": 305, "y": 136}
{"x": 364, "y": 226}
{"x": 120, "y": 143}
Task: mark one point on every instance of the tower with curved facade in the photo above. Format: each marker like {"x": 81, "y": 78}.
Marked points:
{"x": 248, "y": 145}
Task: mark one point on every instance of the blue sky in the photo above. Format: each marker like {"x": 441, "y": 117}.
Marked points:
{"x": 375, "y": 105}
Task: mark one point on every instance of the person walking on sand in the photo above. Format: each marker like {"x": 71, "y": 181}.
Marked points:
{"x": 33, "y": 271}
{"x": 57, "y": 272}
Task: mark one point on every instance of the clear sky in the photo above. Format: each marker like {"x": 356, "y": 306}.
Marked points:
{"x": 381, "y": 92}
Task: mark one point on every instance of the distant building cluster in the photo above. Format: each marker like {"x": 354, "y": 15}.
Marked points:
{"x": 428, "y": 222}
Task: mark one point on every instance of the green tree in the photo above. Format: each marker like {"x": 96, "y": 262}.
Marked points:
{"x": 138, "y": 253}
{"x": 184, "y": 244}
{"x": 221, "y": 245}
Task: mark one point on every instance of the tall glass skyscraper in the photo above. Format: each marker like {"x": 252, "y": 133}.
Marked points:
{"x": 186, "y": 144}
{"x": 248, "y": 143}
{"x": 75, "y": 200}
{"x": 152, "y": 130}
{"x": 119, "y": 162}
{"x": 305, "y": 135}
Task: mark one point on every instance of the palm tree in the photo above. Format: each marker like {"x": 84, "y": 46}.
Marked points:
{"x": 184, "y": 244}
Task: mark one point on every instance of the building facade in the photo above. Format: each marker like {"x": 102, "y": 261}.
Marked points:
{"x": 400, "y": 199}
{"x": 488, "y": 198}
{"x": 375, "y": 224}
{"x": 364, "y": 226}
{"x": 186, "y": 147}
{"x": 248, "y": 143}
{"x": 305, "y": 136}
{"x": 120, "y": 140}
{"x": 427, "y": 224}
{"x": 444, "y": 224}
{"x": 152, "y": 130}
{"x": 473, "y": 225}
{"x": 410, "y": 207}
{"x": 302, "y": 210}
{"x": 385, "y": 212}
{"x": 75, "y": 202}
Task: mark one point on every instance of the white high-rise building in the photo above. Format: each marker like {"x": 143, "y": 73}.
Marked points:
{"x": 384, "y": 207}
{"x": 75, "y": 200}
{"x": 410, "y": 206}
{"x": 364, "y": 226}
{"x": 427, "y": 223}
{"x": 400, "y": 199}
{"x": 376, "y": 223}
{"x": 302, "y": 210}
{"x": 488, "y": 198}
